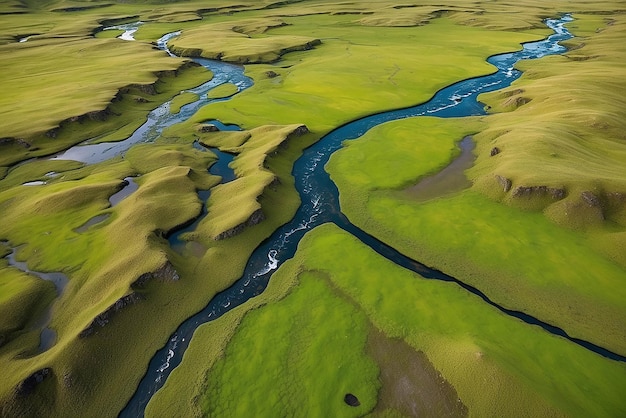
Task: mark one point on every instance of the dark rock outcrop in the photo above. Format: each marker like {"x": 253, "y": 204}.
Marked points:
{"x": 494, "y": 151}
{"x": 254, "y": 219}
{"x": 299, "y": 131}
{"x": 590, "y": 199}
{"x": 104, "y": 318}
{"x": 505, "y": 183}
{"x": 351, "y": 400}
{"x": 271, "y": 74}
{"x": 528, "y": 191}
{"x": 165, "y": 273}
{"x": 17, "y": 141}
{"x": 28, "y": 385}
{"x": 208, "y": 127}
{"x": 516, "y": 101}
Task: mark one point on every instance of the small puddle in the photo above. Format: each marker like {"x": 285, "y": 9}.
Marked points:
{"x": 451, "y": 179}
{"x": 129, "y": 187}
{"x": 34, "y": 183}
{"x": 91, "y": 222}
{"x": 223, "y": 126}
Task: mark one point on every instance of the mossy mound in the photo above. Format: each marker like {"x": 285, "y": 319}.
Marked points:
{"x": 222, "y": 91}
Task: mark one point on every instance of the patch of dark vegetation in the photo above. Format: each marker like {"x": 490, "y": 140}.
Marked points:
{"x": 28, "y": 385}
{"x": 225, "y": 9}
{"x": 271, "y": 74}
{"x": 494, "y": 151}
{"x": 256, "y": 218}
{"x": 279, "y": 4}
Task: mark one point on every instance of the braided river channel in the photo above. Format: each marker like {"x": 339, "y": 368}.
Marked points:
{"x": 320, "y": 204}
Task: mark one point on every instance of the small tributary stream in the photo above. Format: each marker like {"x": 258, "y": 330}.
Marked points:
{"x": 320, "y": 204}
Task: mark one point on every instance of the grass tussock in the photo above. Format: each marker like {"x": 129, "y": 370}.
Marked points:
{"x": 181, "y": 100}
{"x": 223, "y": 91}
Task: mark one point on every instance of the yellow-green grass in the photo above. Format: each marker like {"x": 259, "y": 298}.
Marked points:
{"x": 50, "y": 81}
{"x": 395, "y": 155}
{"x": 222, "y": 91}
{"x": 360, "y": 70}
{"x": 118, "y": 121}
{"x": 568, "y": 134}
{"x": 181, "y": 100}
{"x": 498, "y": 365}
{"x": 240, "y": 42}
{"x": 103, "y": 261}
{"x": 310, "y": 356}
{"x": 233, "y": 203}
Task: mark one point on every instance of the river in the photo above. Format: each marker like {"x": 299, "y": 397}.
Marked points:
{"x": 320, "y": 204}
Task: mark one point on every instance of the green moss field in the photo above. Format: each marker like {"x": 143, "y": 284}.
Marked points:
{"x": 92, "y": 283}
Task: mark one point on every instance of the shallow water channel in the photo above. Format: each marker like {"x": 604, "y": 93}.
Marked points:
{"x": 320, "y": 204}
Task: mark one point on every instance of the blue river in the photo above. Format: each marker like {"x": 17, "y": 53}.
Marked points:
{"x": 320, "y": 204}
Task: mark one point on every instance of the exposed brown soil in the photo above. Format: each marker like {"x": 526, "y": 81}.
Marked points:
{"x": 410, "y": 383}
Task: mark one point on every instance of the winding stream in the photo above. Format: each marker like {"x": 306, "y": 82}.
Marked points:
{"x": 320, "y": 204}
{"x": 161, "y": 117}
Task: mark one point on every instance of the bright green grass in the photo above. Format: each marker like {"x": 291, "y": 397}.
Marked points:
{"x": 412, "y": 149}
{"x": 498, "y": 365}
{"x": 518, "y": 258}
{"x": 222, "y": 91}
{"x": 287, "y": 359}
